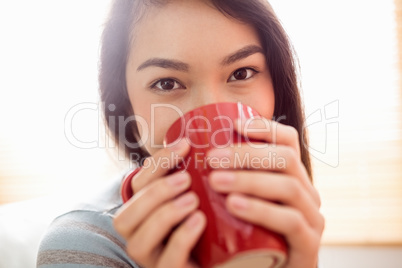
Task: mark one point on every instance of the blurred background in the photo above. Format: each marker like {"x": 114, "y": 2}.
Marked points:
{"x": 53, "y": 142}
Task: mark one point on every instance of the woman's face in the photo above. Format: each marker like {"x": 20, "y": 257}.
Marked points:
{"x": 187, "y": 54}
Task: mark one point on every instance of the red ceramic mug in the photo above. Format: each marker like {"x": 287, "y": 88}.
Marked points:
{"x": 227, "y": 242}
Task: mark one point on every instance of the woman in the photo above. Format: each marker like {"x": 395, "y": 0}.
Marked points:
{"x": 184, "y": 54}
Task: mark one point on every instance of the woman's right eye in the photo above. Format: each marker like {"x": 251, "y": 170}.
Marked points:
{"x": 167, "y": 84}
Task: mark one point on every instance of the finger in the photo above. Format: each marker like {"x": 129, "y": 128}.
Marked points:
{"x": 160, "y": 164}
{"x": 260, "y": 128}
{"x": 144, "y": 245}
{"x": 182, "y": 241}
{"x": 278, "y": 159}
{"x": 250, "y": 156}
{"x": 148, "y": 199}
{"x": 281, "y": 219}
{"x": 276, "y": 187}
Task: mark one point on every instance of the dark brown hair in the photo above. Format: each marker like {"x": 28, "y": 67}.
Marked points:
{"x": 278, "y": 50}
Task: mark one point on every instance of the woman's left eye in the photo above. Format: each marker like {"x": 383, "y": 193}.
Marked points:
{"x": 242, "y": 74}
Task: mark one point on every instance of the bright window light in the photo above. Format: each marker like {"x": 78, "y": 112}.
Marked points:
{"x": 349, "y": 73}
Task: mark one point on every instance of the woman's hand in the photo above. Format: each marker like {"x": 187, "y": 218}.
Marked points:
{"x": 157, "y": 207}
{"x": 275, "y": 192}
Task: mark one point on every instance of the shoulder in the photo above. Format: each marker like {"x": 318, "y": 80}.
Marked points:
{"x": 82, "y": 238}
{"x": 85, "y": 237}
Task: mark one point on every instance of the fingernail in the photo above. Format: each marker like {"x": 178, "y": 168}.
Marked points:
{"x": 222, "y": 178}
{"x": 238, "y": 202}
{"x": 178, "y": 178}
{"x": 178, "y": 145}
{"x": 220, "y": 153}
{"x": 194, "y": 220}
{"x": 185, "y": 200}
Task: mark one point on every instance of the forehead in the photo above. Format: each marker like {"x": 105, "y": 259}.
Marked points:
{"x": 181, "y": 28}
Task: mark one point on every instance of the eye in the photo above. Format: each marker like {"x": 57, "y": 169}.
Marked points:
{"x": 242, "y": 74}
{"x": 167, "y": 84}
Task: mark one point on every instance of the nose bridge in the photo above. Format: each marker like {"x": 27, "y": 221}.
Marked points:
{"x": 206, "y": 94}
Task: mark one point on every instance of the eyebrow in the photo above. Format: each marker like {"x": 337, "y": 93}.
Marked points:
{"x": 164, "y": 63}
{"x": 242, "y": 54}
{"x": 184, "y": 67}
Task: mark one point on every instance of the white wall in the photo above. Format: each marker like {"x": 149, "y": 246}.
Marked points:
{"x": 361, "y": 257}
